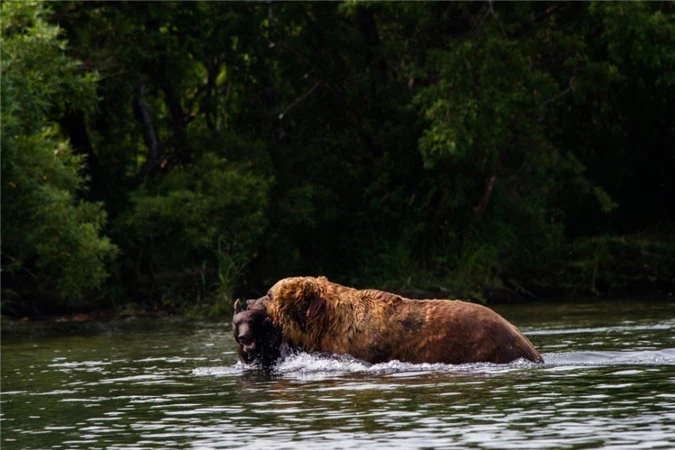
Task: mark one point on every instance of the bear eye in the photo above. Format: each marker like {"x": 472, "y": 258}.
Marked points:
{"x": 245, "y": 339}
{"x": 269, "y": 295}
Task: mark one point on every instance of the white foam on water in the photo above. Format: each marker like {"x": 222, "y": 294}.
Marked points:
{"x": 237, "y": 369}
{"x": 317, "y": 365}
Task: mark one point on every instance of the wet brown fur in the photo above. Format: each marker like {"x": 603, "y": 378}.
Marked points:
{"x": 315, "y": 314}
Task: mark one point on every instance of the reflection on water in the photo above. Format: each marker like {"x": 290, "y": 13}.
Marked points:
{"x": 608, "y": 382}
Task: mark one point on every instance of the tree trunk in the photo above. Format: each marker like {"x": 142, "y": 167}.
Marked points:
{"x": 144, "y": 115}
{"x": 74, "y": 125}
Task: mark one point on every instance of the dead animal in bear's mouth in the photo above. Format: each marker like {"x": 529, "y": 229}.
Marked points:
{"x": 316, "y": 315}
{"x": 258, "y": 339}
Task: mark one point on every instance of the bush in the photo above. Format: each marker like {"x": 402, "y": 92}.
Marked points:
{"x": 190, "y": 236}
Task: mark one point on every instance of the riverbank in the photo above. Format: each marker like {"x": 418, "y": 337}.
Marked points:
{"x": 493, "y": 297}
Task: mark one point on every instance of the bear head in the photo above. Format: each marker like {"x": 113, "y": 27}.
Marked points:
{"x": 294, "y": 304}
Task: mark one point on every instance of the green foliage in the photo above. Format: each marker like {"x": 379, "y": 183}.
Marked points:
{"x": 612, "y": 263}
{"x": 52, "y": 240}
{"x": 487, "y": 132}
{"x": 499, "y": 120}
{"x": 623, "y": 115}
{"x": 455, "y": 145}
{"x": 196, "y": 228}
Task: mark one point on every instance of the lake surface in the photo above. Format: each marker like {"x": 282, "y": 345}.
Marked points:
{"x": 608, "y": 382}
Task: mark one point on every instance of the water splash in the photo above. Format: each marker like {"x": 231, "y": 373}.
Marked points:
{"x": 320, "y": 366}
{"x": 312, "y": 366}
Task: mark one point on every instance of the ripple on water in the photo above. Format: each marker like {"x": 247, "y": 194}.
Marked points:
{"x": 585, "y": 358}
{"x": 237, "y": 369}
{"x": 602, "y": 387}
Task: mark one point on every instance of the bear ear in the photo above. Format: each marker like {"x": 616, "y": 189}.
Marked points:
{"x": 237, "y": 307}
{"x": 310, "y": 289}
{"x": 254, "y": 301}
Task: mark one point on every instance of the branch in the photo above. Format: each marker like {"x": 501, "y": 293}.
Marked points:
{"x": 299, "y": 99}
{"x": 550, "y": 10}
{"x": 489, "y": 12}
{"x": 487, "y": 195}
{"x": 557, "y": 96}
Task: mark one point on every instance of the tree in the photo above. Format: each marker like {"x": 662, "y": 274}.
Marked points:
{"x": 463, "y": 144}
{"x": 53, "y": 245}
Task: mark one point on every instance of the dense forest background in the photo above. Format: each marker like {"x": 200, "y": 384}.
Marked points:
{"x": 174, "y": 155}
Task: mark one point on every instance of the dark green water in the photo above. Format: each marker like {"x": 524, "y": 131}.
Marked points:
{"x": 608, "y": 382}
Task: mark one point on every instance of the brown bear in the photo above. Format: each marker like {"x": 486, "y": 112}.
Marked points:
{"x": 258, "y": 339}
{"x": 316, "y": 315}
